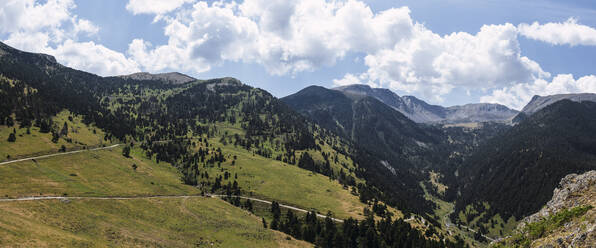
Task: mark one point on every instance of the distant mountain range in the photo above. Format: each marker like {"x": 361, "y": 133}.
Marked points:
{"x": 422, "y": 112}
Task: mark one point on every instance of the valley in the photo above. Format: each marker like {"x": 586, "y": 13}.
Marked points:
{"x": 166, "y": 160}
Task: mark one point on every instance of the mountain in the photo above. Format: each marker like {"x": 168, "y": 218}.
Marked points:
{"x": 171, "y": 77}
{"x": 515, "y": 173}
{"x": 395, "y": 143}
{"x": 539, "y": 102}
{"x": 478, "y": 112}
{"x": 216, "y": 136}
{"x": 422, "y": 112}
{"x": 367, "y": 121}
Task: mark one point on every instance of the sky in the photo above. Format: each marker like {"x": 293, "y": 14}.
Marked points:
{"x": 446, "y": 52}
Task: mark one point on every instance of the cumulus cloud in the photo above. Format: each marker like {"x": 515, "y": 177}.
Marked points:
{"x": 154, "y": 6}
{"x": 517, "y": 96}
{"x": 89, "y": 56}
{"x": 198, "y": 39}
{"x": 566, "y": 33}
{"x": 348, "y": 79}
{"x": 50, "y": 27}
{"x": 27, "y": 15}
{"x": 432, "y": 65}
{"x": 291, "y": 36}
{"x": 283, "y": 36}
{"x": 288, "y": 37}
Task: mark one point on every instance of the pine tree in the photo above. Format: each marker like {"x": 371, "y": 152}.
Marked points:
{"x": 64, "y": 130}
{"x": 126, "y": 151}
{"x": 12, "y": 137}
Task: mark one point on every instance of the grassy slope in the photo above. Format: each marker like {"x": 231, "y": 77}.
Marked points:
{"x": 93, "y": 173}
{"x": 275, "y": 180}
{"x": 40, "y": 143}
{"x": 100, "y": 223}
{"x": 156, "y": 222}
{"x": 290, "y": 184}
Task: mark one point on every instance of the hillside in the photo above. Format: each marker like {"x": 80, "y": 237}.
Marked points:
{"x": 393, "y": 144}
{"x": 214, "y": 136}
{"x": 186, "y": 222}
{"x": 514, "y": 174}
{"x": 567, "y": 220}
{"x": 107, "y": 222}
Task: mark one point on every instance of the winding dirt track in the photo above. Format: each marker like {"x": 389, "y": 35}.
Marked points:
{"x": 59, "y": 154}
{"x": 41, "y": 198}
{"x": 281, "y": 205}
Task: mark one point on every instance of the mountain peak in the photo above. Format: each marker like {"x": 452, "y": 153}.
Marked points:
{"x": 353, "y": 87}
{"x": 6, "y": 49}
{"x": 170, "y": 77}
{"x": 539, "y": 102}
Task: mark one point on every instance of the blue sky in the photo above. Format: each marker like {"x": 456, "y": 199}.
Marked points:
{"x": 446, "y": 52}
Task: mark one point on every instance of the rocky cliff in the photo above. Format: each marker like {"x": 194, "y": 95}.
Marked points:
{"x": 567, "y": 220}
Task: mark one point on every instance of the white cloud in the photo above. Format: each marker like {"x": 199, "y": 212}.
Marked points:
{"x": 84, "y": 26}
{"x": 198, "y": 39}
{"x": 28, "y": 15}
{"x": 154, "y": 6}
{"x": 50, "y": 27}
{"x": 89, "y": 56}
{"x": 29, "y": 41}
{"x": 517, "y": 96}
{"x": 288, "y": 37}
{"x": 431, "y": 65}
{"x": 348, "y": 79}
{"x": 283, "y": 36}
{"x": 557, "y": 33}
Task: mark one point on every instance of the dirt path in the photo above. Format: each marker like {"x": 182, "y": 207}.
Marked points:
{"x": 59, "y": 154}
{"x": 38, "y": 198}
{"x": 281, "y": 205}
{"x": 41, "y": 198}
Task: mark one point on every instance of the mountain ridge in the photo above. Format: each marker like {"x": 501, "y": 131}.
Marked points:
{"x": 421, "y": 112}
{"x": 168, "y": 77}
{"x": 539, "y": 102}
{"x": 516, "y": 172}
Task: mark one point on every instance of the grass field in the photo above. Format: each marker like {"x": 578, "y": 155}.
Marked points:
{"x": 192, "y": 222}
{"x": 148, "y": 222}
{"x": 92, "y": 173}
{"x": 36, "y": 142}
{"x": 275, "y": 180}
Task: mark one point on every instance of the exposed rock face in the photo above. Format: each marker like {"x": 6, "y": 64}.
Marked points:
{"x": 479, "y": 112}
{"x": 171, "y": 77}
{"x": 422, "y": 112}
{"x": 539, "y": 102}
{"x": 574, "y": 190}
